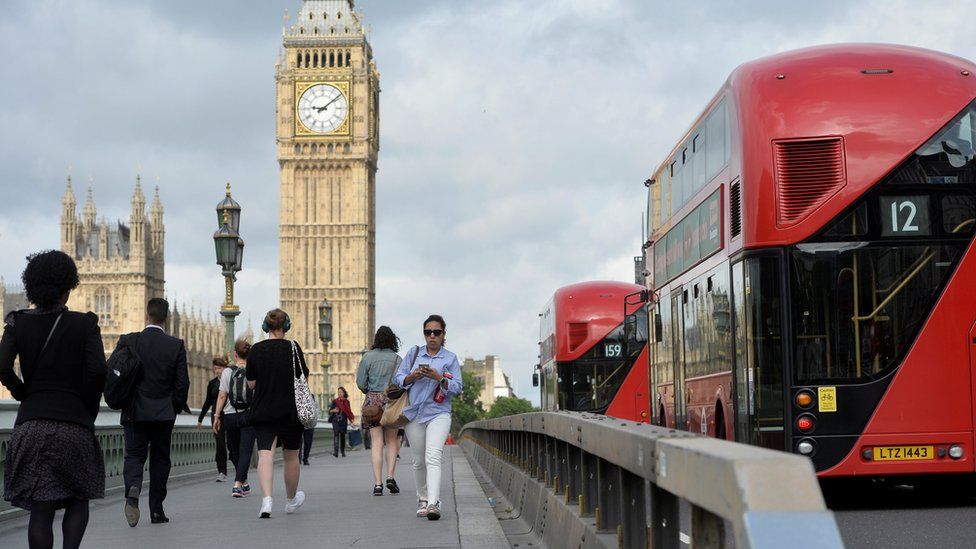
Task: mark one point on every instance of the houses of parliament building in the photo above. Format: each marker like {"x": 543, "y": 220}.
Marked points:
{"x": 120, "y": 268}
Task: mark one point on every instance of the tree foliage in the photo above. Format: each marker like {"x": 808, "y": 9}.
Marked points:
{"x": 467, "y": 407}
{"x": 509, "y": 406}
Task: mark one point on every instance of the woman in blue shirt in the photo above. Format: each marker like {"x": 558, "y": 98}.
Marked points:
{"x": 432, "y": 376}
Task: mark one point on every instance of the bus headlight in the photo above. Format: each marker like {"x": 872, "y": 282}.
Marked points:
{"x": 955, "y": 451}
{"x": 806, "y": 447}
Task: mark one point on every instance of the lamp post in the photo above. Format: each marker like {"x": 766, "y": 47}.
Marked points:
{"x": 325, "y": 335}
{"x": 230, "y": 255}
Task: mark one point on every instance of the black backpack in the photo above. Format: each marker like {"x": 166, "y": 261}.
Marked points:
{"x": 124, "y": 371}
{"x": 240, "y": 395}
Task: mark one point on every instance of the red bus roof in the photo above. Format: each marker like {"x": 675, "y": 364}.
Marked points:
{"x": 585, "y": 313}
{"x": 884, "y": 101}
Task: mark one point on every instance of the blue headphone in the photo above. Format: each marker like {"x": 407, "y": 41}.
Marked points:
{"x": 286, "y": 327}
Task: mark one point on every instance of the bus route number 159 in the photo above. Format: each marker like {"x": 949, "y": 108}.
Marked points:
{"x": 613, "y": 350}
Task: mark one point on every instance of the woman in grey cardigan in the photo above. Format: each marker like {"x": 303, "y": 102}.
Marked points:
{"x": 373, "y": 377}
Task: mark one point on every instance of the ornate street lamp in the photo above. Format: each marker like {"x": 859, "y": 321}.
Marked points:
{"x": 230, "y": 256}
{"x": 325, "y": 335}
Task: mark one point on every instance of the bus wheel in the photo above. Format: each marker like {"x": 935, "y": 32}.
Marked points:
{"x": 719, "y": 421}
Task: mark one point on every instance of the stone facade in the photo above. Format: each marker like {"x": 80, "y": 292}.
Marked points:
{"x": 327, "y": 114}
{"x": 489, "y": 373}
{"x": 120, "y": 268}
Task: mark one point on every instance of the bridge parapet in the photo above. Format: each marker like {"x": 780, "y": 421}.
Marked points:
{"x": 589, "y": 477}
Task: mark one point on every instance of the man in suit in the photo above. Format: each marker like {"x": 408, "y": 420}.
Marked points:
{"x": 161, "y": 393}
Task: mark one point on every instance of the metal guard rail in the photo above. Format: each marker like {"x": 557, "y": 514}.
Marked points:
{"x": 631, "y": 479}
{"x": 192, "y": 451}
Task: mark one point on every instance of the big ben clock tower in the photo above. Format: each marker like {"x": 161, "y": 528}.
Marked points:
{"x": 327, "y": 116}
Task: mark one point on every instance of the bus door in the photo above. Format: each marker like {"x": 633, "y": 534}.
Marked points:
{"x": 758, "y": 352}
{"x": 678, "y": 298}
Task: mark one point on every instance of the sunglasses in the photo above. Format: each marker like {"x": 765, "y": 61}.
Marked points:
{"x": 435, "y": 333}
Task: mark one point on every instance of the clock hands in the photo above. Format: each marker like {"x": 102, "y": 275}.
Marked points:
{"x": 322, "y": 108}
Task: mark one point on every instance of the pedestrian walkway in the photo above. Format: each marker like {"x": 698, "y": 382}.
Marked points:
{"x": 340, "y": 512}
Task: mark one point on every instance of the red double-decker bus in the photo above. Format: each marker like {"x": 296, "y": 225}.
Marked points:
{"x": 588, "y": 348}
{"x": 811, "y": 250}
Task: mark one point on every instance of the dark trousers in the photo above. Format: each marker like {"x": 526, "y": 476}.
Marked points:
{"x": 240, "y": 443}
{"x": 150, "y": 439}
{"x": 339, "y": 441}
{"x": 220, "y": 437}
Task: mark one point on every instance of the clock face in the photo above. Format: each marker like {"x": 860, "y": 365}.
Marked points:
{"x": 322, "y": 108}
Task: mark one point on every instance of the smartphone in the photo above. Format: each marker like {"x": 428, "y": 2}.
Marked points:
{"x": 425, "y": 366}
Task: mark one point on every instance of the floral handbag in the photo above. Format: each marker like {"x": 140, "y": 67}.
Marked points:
{"x": 305, "y": 404}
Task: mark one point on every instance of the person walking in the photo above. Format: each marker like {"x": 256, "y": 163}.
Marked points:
{"x": 432, "y": 376}
{"x": 233, "y": 399}
{"x": 273, "y": 366}
{"x": 340, "y": 414}
{"x": 53, "y": 460}
{"x": 374, "y": 375}
{"x": 161, "y": 393}
{"x": 213, "y": 388}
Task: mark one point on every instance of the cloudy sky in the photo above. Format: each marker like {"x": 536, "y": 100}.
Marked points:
{"x": 515, "y": 134}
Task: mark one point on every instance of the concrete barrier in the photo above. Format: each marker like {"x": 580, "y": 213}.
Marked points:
{"x": 583, "y": 480}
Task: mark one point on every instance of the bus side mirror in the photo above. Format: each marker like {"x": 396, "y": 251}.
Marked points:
{"x": 535, "y": 379}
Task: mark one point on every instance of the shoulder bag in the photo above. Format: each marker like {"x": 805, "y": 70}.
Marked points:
{"x": 393, "y": 417}
{"x": 305, "y": 405}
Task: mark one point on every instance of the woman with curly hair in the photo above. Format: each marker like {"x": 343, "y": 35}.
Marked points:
{"x": 374, "y": 375}
{"x": 54, "y": 460}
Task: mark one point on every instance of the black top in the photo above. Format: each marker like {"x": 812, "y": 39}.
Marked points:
{"x": 269, "y": 365}
{"x": 213, "y": 389}
{"x": 65, "y": 382}
{"x": 165, "y": 383}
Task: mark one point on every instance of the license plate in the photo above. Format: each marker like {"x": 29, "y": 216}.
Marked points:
{"x": 903, "y": 453}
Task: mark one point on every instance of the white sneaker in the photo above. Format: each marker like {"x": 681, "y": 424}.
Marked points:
{"x": 421, "y": 508}
{"x": 293, "y": 504}
{"x": 265, "y": 508}
{"x": 221, "y": 477}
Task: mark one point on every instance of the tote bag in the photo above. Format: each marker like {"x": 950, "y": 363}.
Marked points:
{"x": 393, "y": 417}
{"x": 308, "y": 409}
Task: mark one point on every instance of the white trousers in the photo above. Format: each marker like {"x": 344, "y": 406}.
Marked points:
{"x": 427, "y": 444}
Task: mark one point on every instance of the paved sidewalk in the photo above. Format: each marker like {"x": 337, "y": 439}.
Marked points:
{"x": 340, "y": 512}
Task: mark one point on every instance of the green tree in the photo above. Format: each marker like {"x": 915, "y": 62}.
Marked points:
{"x": 509, "y": 406}
{"x": 467, "y": 407}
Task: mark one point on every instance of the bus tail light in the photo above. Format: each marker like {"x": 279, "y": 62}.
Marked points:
{"x": 804, "y": 399}
{"x": 955, "y": 451}
{"x": 805, "y": 423}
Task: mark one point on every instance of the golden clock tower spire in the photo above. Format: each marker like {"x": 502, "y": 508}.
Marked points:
{"x": 327, "y": 135}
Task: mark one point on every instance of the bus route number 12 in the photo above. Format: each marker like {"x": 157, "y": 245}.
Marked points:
{"x": 907, "y": 215}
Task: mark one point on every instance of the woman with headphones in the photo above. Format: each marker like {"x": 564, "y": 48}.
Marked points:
{"x": 272, "y": 366}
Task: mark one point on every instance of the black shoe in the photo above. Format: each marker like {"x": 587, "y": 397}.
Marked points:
{"x": 391, "y": 485}
{"x": 343, "y": 454}
{"x": 378, "y": 490}
{"x": 158, "y": 518}
{"x": 305, "y": 461}
{"x": 335, "y": 454}
{"x": 131, "y": 510}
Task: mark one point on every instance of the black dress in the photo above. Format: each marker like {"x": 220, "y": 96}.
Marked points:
{"x": 53, "y": 453}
